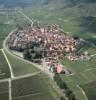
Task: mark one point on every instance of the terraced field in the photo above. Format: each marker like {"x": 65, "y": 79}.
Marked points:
{"x": 4, "y": 69}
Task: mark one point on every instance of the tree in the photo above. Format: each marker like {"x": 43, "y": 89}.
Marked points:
{"x": 27, "y": 54}
{"x": 62, "y": 98}
{"x": 71, "y": 97}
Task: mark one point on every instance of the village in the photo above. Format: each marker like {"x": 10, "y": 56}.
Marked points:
{"x": 50, "y": 42}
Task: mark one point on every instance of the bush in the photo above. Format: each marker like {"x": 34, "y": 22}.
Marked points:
{"x": 67, "y": 93}
{"x": 71, "y": 97}
{"x": 26, "y": 54}
{"x": 62, "y": 85}
{"x": 60, "y": 82}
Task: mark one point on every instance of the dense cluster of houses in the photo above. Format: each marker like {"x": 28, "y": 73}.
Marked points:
{"x": 75, "y": 57}
{"x": 50, "y": 39}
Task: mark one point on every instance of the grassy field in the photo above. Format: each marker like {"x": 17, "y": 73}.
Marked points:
{"x": 38, "y": 87}
{"x": 4, "y": 69}
{"x": 4, "y": 91}
{"x": 20, "y": 67}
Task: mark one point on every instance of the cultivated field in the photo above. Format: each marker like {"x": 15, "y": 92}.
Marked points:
{"x": 71, "y": 21}
{"x": 6, "y": 25}
{"x": 90, "y": 90}
{"x": 35, "y": 87}
{"x": 84, "y": 73}
{"x": 20, "y": 67}
{"x": 9, "y": 21}
{"x": 4, "y": 69}
{"x": 38, "y": 87}
{"x": 4, "y": 91}
{"x": 83, "y": 78}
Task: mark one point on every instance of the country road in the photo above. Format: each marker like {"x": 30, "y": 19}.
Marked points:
{"x": 26, "y": 76}
{"x": 30, "y": 20}
{"x": 5, "y": 47}
{"x": 10, "y": 67}
{"x": 43, "y": 68}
